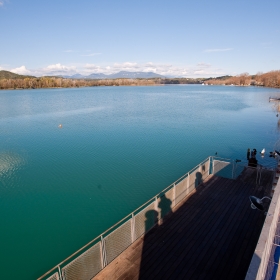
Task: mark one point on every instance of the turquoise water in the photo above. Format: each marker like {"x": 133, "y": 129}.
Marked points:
{"x": 118, "y": 147}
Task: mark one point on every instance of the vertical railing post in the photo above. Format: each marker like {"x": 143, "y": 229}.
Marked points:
{"x": 59, "y": 273}
{"x": 103, "y": 252}
{"x": 188, "y": 184}
{"x": 132, "y": 228}
{"x": 174, "y": 196}
{"x": 209, "y": 166}
{"x": 200, "y": 170}
{"x": 213, "y": 166}
{"x": 232, "y": 175}
{"x": 156, "y": 209}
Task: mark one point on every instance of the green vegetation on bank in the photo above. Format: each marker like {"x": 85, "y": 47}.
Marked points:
{"x": 181, "y": 81}
{"x": 9, "y": 80}
{"x": 9, "y": 75}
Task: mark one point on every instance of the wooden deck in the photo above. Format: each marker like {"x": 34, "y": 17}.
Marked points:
{"x": 212, "y": 235}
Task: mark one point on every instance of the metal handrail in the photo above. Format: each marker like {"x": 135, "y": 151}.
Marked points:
{"x": 221, "y": 158}
{"x": 58, "y": 266}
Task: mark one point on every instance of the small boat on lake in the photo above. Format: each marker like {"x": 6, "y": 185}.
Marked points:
{"x": 274, "y": 99}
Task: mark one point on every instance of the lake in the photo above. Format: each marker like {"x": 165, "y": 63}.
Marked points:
{"x": 73, "y": 162}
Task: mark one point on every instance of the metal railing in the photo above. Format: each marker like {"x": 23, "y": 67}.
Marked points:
{"x": 260, "y": 262}
{"x": 88, "y": 261}
{"x": 233, "y": 168}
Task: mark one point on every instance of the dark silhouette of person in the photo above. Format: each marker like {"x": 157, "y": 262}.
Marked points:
{"x": 151, "y": 219}
{"x": 255, "y": 152}
{"x": 165, "y": 206}
{"x": 248, "y": 153}
{"x": 252, "y": 154}
{"x": 153, "y": 227}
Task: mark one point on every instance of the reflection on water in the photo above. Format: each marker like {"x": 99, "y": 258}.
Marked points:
{"x": 117, "y": 148}
{"x": 9, "y": 163}
{"x": 65, "y": 113}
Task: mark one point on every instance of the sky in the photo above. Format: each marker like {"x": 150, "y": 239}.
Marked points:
{"x": 201, "y": 38}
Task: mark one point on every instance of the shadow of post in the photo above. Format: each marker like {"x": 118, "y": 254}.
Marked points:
{"x": 203, "y": 168}
{"x": 198, "y": 179}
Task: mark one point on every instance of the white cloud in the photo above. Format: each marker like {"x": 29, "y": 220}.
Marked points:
{"x": 57, "y": 69}
{"x": 21, "y": 70}
{"x": 68, "y": 51}
{"x": 51, "y": 70}
{"x": 200, "y": 69}
{"x": 92, "y": 68}
{"x": 204, "y": 73}
{"x": 162, "y": 69}
{"x": 218, "y": 50}
{"x": 116, "y": 67}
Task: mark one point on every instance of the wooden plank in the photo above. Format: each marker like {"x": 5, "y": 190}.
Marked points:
{"x": 190, "y": 239}
{"x": 211, "y": 236}
{"x": 221, "y": 242}
{"x": 250, "y": 237}
{"x": 217, "y": 241}
{"x": 193, "y": 244}
{"x": 235, "y": 245}
{"x": 234, "y": 241}
{"x": 174, "y": 223}
{"x": 175, "y": 239}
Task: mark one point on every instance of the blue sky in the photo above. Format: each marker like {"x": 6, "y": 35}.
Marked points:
{"x": 180, "y": 38}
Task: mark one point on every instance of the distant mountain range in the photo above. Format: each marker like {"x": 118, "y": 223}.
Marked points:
{"x": 119, "y": 75}
{"x": 99, "y": 76}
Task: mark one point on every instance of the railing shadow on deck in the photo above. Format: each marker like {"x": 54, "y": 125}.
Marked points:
{"x": 213, "y": 240}
{"x": 97, "y": 254}
{"x": 152, "y": 253}
{"x": 102, "y": 250}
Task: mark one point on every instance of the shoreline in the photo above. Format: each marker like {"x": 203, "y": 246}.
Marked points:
{"x": 133, "y": 85}
{"x": 83, "y": 87}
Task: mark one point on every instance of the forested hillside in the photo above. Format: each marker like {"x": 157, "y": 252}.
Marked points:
{"x": 9, "y": 75}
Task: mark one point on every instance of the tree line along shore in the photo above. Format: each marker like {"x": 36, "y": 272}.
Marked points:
{"x": 269, "y": 79}
{"x": 9, "y": 80}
